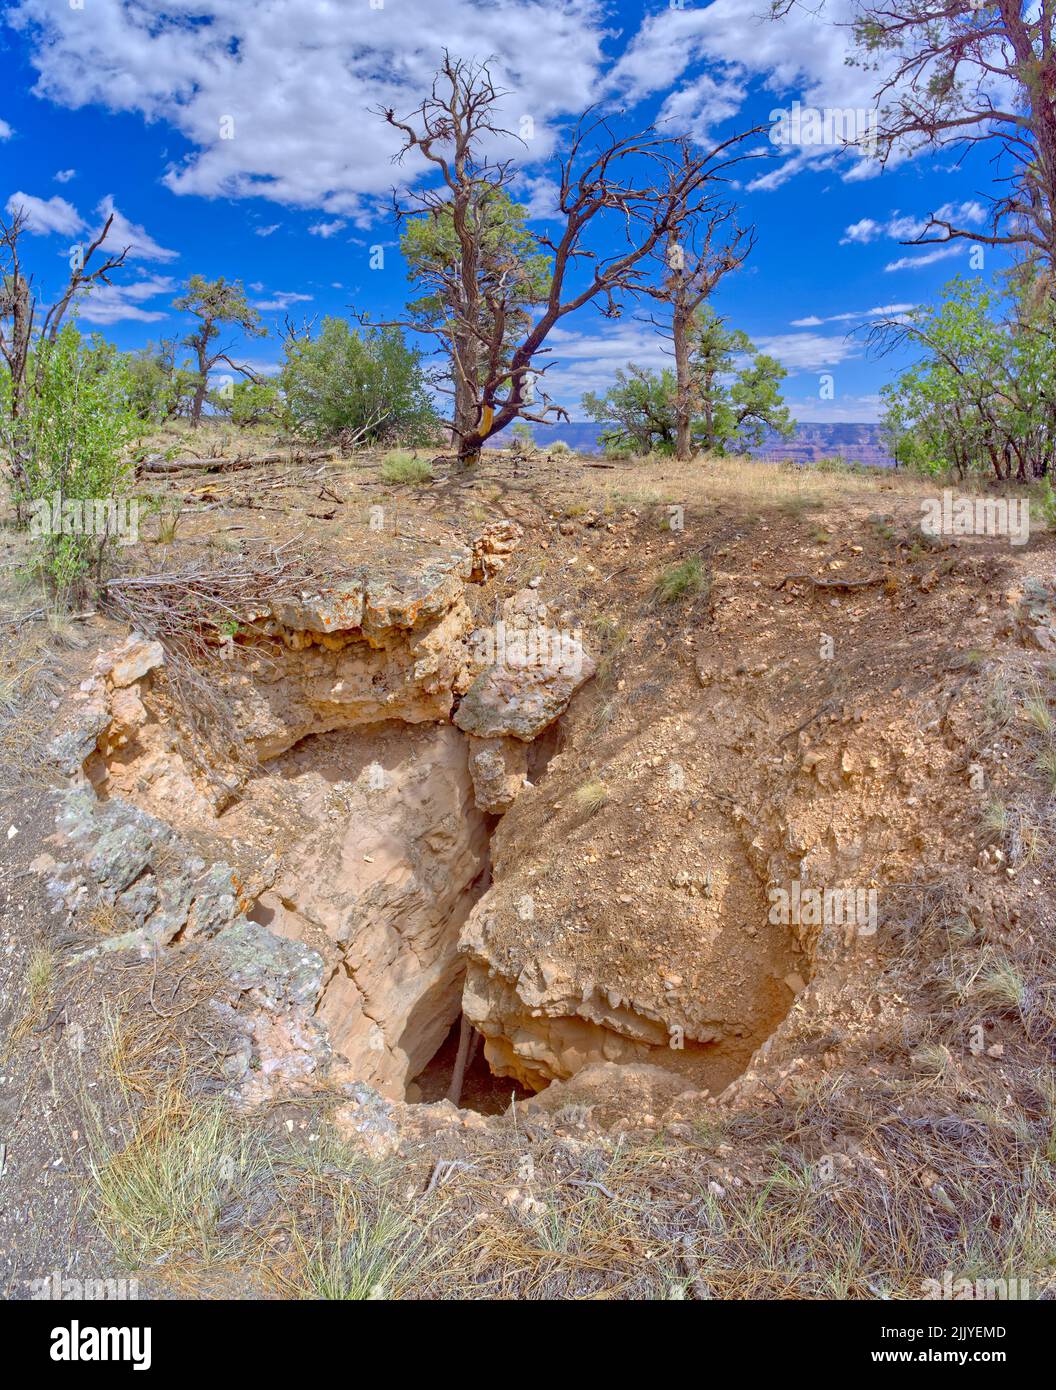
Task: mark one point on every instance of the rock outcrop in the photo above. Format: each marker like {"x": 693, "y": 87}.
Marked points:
{"x": 385, "y": 729}
{"x": 529, "y": 671}
{"x": 382, "y": 891}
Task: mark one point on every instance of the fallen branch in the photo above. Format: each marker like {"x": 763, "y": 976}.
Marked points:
{"x": 164, "y": 465}
{"x": 829, "y": 584}
{"x": 185, "y": 609}
{"x": 467, "y": 1045}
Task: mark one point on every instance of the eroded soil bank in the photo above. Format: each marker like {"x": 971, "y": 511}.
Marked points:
{"x": 386, "y": 736}
{"x": 406, "y": 825}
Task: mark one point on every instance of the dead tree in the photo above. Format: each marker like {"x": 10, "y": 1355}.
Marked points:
{"x": 639, "y": 183}
{"x": 702, "y": 246}
{"x": 293, "y": 335}
{"x": 969, "y": 72}
{"x": 19, "y": 308}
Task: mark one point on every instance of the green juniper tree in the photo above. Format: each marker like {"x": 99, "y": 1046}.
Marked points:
{"x": 213, "y": 303}
{"x": 734, "y": 406}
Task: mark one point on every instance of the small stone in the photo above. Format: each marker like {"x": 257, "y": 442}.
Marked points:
{"x": 141, "y": 658}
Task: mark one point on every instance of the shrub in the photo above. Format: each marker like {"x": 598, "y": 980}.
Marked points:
{"x": 371, "y": 385}
{"x": 979, "y": 399}
{"x": 401, "y": 467}
{"x": 159, "y": 390}
{"x": 524, "y": 436}
{"x": 64, "y": 453}
{"x": 636, "y": 413}
{"x": 254, "y": 403}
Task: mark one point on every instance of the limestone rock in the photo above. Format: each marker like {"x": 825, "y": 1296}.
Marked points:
{"x": 520, "y": 701}
{"x": 498, "y": 767}
{"x": 74, "y": 745}
{"x": 255, "y": 959}
{"x": 336, "y": 611}
{"x": 1035, "y": 614}
{"x": 387, "y": 888}
{"x": 127, "y": 714}
{"x": 358, "y": 860}
{"x": 492, "y": 548}
{"x": 136, "y": 661}
{"x": 528, "y": 673}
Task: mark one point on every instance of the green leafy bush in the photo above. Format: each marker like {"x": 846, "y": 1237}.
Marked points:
{"x": 523, "y": 433}
{"x": 64, "y": 453}
{"x": 371, "y": 385}
{"x": 254, "y": 403}
{"x": 981, "y": 398}
{"x": 160, "y": 390}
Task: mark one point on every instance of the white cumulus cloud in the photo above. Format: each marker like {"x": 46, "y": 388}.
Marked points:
{"x": 927, "y": 258}
{"x": 881, "y": 311}
{"x": 899, "y": 227}
{"x": 141, "y": 245}
{"x": 45, "y": 216}
{"x": 327, "y": 229}
{"x": 280, "y": 301}
{"x": 105, "y": 304}
{"x": 275, "y": 98}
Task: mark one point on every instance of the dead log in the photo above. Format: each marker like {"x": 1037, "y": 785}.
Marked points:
{"x": 224, "y": 465}
{"x": 831, "y": 584}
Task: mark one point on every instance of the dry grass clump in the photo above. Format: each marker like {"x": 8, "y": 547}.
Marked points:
{"x": 356, "y": 1243}
{"x": 747, "y": 486}
{"x": 687, "y": 579}
{"x": 614, "y": 636}
{"x": 198, "y": 1188}
{"x": 161, "y": 1195}
{"x": 191, "y": 1191}
{"x": 399, "y": 466}
{"x": 38, "y": 646}
{"x": 591, "y": 796}
{"x": 37, "y": 990}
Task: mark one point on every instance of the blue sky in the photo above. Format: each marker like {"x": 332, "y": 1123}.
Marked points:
{"x": 236, "y": 139}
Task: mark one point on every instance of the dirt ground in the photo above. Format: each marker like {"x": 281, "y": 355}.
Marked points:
{"x": 787, "y": 672}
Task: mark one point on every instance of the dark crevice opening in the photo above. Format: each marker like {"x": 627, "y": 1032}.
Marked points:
{"x": 482, "y": 1090}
